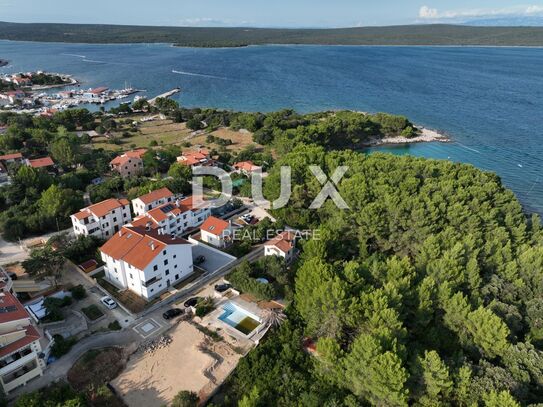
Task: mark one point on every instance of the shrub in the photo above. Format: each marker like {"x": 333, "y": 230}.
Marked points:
{"x": 78, "y": 292}
{"x": 153, "y": 143}
{"x": 204, "y": 307}
{"x": 114, "y": 326}
{"x": 62, "y": 346}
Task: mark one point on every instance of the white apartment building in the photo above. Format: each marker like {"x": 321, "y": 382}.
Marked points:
{"x": 146, "y": 261}
{"x": 149, "y": 201}
{"x": 103, "y": 219}
{"x": 20, "y": 347}
{"x": 173, "y": 218}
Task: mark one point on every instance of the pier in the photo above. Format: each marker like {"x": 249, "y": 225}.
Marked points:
{"x": 165, "y": 95}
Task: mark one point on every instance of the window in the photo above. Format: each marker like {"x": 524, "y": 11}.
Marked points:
{"x": 155, "y": 267}
{"x": 175, "y": 256}
{"x": 114, "y": 219}
{"x": 175, "y": 266}
{"x": 166, "y": 262}
{"x": 167, "y": 272}
{"x": 131, "y": 277}
{"x": 177, "y": 276}
{"x": 164, "y": 252}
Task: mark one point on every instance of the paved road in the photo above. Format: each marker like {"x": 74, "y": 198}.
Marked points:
{"x": 59, "y": 369}
{"x": 128, "y": 336}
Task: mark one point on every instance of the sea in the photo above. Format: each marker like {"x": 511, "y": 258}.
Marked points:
{"x": 489, "y": 101}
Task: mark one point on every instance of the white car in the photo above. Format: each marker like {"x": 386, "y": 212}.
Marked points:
{"x": 108, "y": 302}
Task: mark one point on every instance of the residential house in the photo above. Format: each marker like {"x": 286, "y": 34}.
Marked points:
{"x": 44, "y": 162}
{"x": 246, "y": 167}
{"x": 146, "y": 261}
{"x": 283, "y": 245}
{"x": 174, "y": 218}
{"x": 196, "y": 158}
{"x": 12, "y": 158}
{"x": 216, "y": 232}
{"x": 129, "y": 164}
{"x": 149, "y": 201}
{"x": 103, "y": 219}
{"x": 20, "y": 347}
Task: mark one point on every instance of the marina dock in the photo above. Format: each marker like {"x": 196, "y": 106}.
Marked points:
{"x": 165, "y": 95}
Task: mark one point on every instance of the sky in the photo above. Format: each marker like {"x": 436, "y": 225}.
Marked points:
{"x": 273, "y": 13}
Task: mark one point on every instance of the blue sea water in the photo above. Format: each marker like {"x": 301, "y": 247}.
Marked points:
{"x": 489, "y": 100}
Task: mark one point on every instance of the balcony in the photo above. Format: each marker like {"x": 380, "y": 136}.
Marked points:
{"x": 22, "y": 375}
{"x": 150, "y": 282}
{"x": 15, "y": 357}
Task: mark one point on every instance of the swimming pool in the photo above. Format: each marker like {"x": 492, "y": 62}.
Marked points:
{"x": 238, "y": 318}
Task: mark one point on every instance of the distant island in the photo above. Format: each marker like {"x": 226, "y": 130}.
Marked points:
{"x": 437, "y": 34}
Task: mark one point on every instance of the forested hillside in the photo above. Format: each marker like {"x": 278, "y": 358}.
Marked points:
{"x": 428, "y": 291}
{"x": 236, "y": 37}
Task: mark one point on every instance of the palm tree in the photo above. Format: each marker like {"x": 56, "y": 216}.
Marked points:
{"x": 275, "y": 317}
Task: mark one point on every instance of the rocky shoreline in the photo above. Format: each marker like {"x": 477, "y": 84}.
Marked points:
{"x": 3, "y": 62}
{"x": 425, "y": 136}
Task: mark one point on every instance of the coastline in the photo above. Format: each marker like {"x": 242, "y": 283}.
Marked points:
{"x": 426, "y": 136}
{"x": 4, "y": 62}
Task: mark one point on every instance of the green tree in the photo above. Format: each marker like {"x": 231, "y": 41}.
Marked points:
{"x": 45, "y": 263}
{"x": 185, "y": 399}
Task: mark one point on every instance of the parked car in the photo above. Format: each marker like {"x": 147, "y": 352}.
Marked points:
{"x": 191, "y": 302}
{"x": 172, "y": 313}
{"x": 221, "y": 288}
{"x": 108, "y": 302}
{"x": 199, "y": 260}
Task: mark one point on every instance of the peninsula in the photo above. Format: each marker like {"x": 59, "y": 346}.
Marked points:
{"x": 431, "y": 34}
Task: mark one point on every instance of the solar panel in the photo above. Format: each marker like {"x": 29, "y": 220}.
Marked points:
{"x": 167, "y": 208}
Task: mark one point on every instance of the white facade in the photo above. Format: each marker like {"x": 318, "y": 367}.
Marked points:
{"x": 275, "y": 251}
{"x": 142, "y": 205}
{"x": 102, "y": 220}
{"x": 167, "y": 265}
{"x": 19, "y": 345}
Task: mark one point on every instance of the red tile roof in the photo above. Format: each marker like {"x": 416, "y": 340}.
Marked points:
{"x": 246, "y": 166}
{"x": 138, "y": 247}
{"x": 14, "y": 310}
{"x": 214, "y": 225}
{"x": 41, "y": 162}
{"x": 136, "y": 153}
{"x": 283, "y": 241}
{"x": 101, "y": 208}
{"x": 14, "y": 156}
{"x": 156, "y": 195}
{"x": 32, "y": 335}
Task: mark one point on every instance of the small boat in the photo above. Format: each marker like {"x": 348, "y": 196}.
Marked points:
{"x": 520, "y": 165}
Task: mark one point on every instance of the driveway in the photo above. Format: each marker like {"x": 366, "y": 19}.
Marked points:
{"x": 215, "y": 259}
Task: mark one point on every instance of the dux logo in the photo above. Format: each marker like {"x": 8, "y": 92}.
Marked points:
{"x": 328, "y": 187}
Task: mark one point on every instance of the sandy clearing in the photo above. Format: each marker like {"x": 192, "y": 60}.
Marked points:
{"x": 154, "y": 379}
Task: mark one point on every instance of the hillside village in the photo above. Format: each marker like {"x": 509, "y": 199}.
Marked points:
{"x": 141, "y": 266}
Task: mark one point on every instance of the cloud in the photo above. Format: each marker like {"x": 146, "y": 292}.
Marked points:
{"x": 211, "y": 22}
{"x": 428, "y": 13}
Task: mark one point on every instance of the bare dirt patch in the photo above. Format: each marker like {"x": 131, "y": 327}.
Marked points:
{"x": 190, "y": 362}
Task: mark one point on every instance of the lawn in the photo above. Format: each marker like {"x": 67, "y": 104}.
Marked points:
{"x": 166, "y": 132}
{"x": 92, "y": 312}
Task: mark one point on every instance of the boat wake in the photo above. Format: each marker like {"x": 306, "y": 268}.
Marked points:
{"x": 198, "y": 74}
{"x": 93, "y": 61}
{"x": 74, "y": 55}
{"x": 468, "y": 148}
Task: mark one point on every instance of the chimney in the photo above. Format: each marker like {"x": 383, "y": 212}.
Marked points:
{"x": 148, "y": 226}
{"x": 153, "y": 246}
